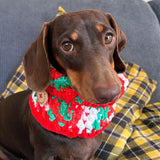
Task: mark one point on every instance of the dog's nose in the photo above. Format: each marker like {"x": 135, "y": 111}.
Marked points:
{"x": 107, "y": 94}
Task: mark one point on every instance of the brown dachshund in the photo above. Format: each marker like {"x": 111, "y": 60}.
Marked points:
{"x": 85, "y": 46}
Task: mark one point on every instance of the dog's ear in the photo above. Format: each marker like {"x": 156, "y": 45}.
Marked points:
{"x": 36, "y": 62}
{"x": 121, "y": 43}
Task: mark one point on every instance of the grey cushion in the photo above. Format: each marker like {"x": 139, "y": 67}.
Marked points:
{"x": 155, "y": 4}
{"x": 21, "y": 22}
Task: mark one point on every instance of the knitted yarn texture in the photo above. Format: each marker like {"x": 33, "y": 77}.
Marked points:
{"x": 66, "y": 112}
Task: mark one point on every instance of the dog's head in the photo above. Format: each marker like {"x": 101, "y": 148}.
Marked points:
{"x": 85, "y": 45}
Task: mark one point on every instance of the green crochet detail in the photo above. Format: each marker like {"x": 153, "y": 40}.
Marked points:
{"x": 61, "y": 82}
{"x": 102, "y": 115}
{"x": 61, "y": 124}
{"x": 78, "y": 100}
{"x": 64, "y": 110}
{"x": 52, "y": 116}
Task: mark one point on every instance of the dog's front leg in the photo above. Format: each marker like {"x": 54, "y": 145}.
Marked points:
{"x": 43, "y": 141}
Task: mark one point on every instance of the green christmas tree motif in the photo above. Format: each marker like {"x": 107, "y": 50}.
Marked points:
{"x": 52, "y": 116}
{"x": 64, "y": 110}
{"x": 102, "y": 115}
{"x": 96, "y": 125}
{"x": 63, "y": 82}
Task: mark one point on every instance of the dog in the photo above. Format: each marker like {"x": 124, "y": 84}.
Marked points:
{"x": 83, "y": 45}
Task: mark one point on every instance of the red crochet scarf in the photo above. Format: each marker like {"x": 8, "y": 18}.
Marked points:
{"x": 60, "y": 109}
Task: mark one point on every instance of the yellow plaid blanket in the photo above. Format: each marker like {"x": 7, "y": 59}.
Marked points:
{"x": 134, "y": 132}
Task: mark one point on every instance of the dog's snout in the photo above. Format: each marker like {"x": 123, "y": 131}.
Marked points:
{"x": 107, "y": 94}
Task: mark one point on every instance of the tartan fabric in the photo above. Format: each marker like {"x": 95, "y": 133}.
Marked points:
{"x": 134, "y": 132}
{"x": 144, "y": 142}
{"x": 16, "y": 84}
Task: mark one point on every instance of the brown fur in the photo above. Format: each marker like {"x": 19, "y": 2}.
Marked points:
{"x": 90, "y": 64}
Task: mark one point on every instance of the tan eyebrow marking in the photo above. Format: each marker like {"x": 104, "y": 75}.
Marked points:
{"x": 74, "y": 36}
{"x": 99, "y": 27}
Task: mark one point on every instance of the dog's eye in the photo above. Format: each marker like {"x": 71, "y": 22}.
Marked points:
{"x": 108, "y": 38}
{"x": 67, "y": 46}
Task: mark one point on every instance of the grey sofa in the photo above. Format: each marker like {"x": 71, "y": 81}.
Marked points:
{"x": 21, "y": 21}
